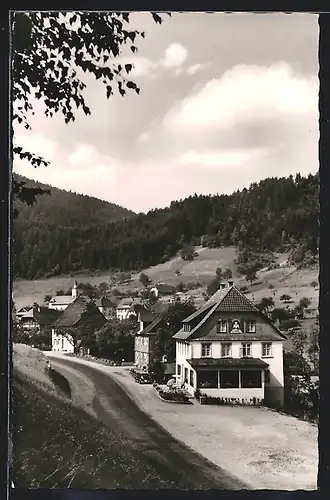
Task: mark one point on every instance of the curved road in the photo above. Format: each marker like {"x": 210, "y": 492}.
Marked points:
{"x": 103, "y": 397}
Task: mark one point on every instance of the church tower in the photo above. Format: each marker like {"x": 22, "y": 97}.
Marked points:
{"x": 75, "y": 290}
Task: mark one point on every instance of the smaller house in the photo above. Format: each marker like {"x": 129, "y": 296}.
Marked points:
{"x": 129, "y": 307}
{"x": 73, "y": 318}
{"x": 144, "y": 338}
{"x": 38, "y": 318}
{"x": 162, "y": 289}
{"x": 61, "y": 302}
{"x": 22, "y": 311}
{"x": 107, "y": 306}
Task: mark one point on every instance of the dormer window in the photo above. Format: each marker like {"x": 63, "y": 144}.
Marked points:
{"x": 221, "y": 326}
{"x": 186, "y": 327}
{"x": 250, "y": 327}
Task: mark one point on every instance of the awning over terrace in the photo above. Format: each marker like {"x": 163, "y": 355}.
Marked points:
{"x": 221, "y": 363}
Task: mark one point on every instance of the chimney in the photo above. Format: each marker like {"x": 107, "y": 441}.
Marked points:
{"x": 230, "y": 283}
{"x": 222, "y": 285}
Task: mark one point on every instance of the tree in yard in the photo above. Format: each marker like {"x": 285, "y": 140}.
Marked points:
{"x": 115, "y": 340}
{"x": 47, "y": 298}
{"x": 144, "y": 279}
{"x": 213, "y": 287}
{"x": 286, "y": 298}
{"x": 50, "y": 50}
{"x": 171, "y": 324}
{"x": 227, "y": 274}
{"x": 19, "y": 335}
{"x": 266, "y": 304}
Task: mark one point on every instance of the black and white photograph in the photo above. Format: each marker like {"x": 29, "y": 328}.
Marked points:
{"x": 165, "y": 250}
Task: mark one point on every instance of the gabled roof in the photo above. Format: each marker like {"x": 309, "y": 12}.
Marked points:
{"x": 146, "y": 316}
{"x": 150, "y": 329}
{"x": 106, "y": 302}
{"x": 224, "y": 300}
{"x": 128, "y": 302}
{"x": 61, "y": 300}
{"x": 44, "y": 316}
{"x": 73, "y": 313}
{"x": 160, "y": 307}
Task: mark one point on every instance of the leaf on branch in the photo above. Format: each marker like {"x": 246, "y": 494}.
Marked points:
{"x": 133, "y": 48}
{"x": 157, "y": 18}
{"x": 131, "y": 85}
{"x": 128, "y": 67}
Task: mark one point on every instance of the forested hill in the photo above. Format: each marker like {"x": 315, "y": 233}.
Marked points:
{"x": 273, "y": 214}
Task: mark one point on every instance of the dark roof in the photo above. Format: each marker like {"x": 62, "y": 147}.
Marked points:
{"x": 146, "y": 316}
{"x": 226, "y": 362}
{"x": 107, "y": 302}
{"x": 160, "y": 307}
{"x": 46, "y": 316}
{"x": 43, "y": 316}
{"x": 129, "y": 302}
{"x": 229, "y": 337}
{"x": 150, "y": 329}
{"x": 72, "y": 314}
{"x": 224, "y": 300}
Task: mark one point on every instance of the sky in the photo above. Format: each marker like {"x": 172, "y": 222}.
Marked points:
{"x": 226, "y": 100}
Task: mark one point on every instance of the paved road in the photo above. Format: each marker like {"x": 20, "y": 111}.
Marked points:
{"x": 101, "y": 395}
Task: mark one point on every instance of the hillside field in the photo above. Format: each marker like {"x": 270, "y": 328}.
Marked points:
{"x": 288, "y": 280}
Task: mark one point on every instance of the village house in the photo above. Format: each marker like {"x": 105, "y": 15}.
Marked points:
{"x": 161, "y": 290}
{"x": 37, "y": 318}
{"x": 61, "y": 302}
{"x": 73, "y": 318}
{"x": 107, "y": 306}
{"x": 150, "y": 322}
{"x": 129, "y": 307}
{"x": 22, "y": 311}
{"x": 229, "y": 349}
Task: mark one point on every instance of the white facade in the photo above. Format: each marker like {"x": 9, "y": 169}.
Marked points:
{"x": 193, "y": 350}
{"x": 61, "y": 302}
{"x": 62, "y": 343}
{"x": 124, "y": 313}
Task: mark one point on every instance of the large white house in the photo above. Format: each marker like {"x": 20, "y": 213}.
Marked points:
{"x": 61, "y": 302}
{"x": 229, "y": 349}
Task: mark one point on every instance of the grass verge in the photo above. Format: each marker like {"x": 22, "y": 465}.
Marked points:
{"x": 57, "y": 445}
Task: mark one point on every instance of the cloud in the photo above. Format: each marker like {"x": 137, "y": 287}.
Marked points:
{"x": 175, "y": 55}
{"x": 244, "y": 93}
{"x": 37, "y": 145}
{"x": 192, "y": 70}
{"x": 222, "y": 158}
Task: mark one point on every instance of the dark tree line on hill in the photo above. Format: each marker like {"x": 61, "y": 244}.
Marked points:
{"x": 60, "y": 234}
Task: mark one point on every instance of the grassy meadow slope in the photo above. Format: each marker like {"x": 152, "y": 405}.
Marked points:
{"x": 297, "y": 283}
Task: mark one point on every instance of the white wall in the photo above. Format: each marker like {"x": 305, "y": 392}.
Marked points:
{"x": 61, "y": 343}
{"x": 57, "y": 307}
